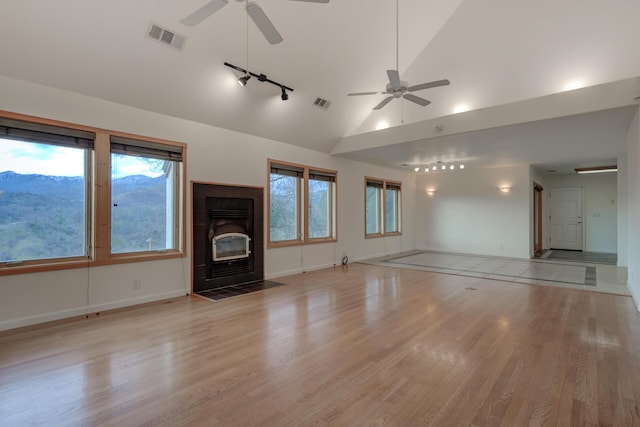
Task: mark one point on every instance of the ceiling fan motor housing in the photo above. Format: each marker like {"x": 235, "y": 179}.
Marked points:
{"x": 397, "y": 92}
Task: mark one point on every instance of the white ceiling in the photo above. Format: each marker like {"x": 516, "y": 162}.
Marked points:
{"x": 500, "y": 55}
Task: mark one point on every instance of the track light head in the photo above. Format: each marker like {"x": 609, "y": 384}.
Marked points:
{"x": 284, "y": 96}
{"x": 242, "y": 81}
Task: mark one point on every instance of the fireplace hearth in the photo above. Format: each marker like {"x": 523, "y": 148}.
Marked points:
{"x": 227, "y": 236}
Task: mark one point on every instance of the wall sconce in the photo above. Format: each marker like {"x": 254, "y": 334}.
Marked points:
{"x": 431, "y": 191}
{"x": 504, "y": 188}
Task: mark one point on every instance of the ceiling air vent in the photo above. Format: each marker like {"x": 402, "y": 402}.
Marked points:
{"x": 322, "y": 103}
{"x": 166, "y": 37}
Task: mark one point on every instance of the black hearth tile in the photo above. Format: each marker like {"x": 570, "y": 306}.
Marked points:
{"x": 248, "y": 288}
{"x": 235, "y": 290}
{"x": 229, "y": 292}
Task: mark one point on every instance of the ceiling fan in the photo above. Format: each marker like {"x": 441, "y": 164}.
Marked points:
{"x": 254, "y": 11}
{"x": 397, "y": 88}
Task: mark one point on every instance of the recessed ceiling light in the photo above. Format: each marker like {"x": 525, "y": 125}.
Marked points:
{"x": 461, "y": 108}
{"x": 382, "y": 125}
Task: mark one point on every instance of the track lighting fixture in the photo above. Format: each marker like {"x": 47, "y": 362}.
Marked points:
{"x": 242, "y": 81}
{"x": 438, "y": 165}
{"x": 261, "y": 78}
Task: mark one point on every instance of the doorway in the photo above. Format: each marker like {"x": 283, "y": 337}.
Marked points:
{"x": 537, "y": 219}
{"x": 565, "y": 218}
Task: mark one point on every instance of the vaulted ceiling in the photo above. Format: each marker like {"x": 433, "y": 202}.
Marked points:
{"x": 510, "y": 62}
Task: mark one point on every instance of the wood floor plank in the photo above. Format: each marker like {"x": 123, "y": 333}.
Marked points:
{"x": 355, "y": 345}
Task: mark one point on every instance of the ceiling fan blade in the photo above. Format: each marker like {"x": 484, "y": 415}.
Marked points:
{"x": 314, "y": 1}
{"x": 263, "y": 23}
{"x": 365, "y": 93}
{"x": 416, "y": 99}
{"x": 383, "y": 103}
{"x": 429, "y": 85}
{"x": 394, "y": 78}
{"x": 204, "y": 12}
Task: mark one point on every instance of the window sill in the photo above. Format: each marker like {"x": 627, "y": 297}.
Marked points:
{"x": 375, "y": 236}
{"x": 28, "y": 267}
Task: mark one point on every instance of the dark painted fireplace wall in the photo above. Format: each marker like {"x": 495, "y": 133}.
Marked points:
{"x": 209, "y": 200}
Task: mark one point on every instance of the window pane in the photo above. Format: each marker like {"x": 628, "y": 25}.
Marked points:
{"x": 320, "y": 208}
{"x": 143, "y": 208}
{"x": 372, "y": 210}
{"x": 43, "y": 208}
{"x": 391, "y": 211}
{"x": 283, "y": 207}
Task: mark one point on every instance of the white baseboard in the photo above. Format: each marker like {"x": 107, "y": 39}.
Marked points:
{"x": 297, "y": 271}
{"x": 320, "y": 267}
{"x": 81, "y": 311}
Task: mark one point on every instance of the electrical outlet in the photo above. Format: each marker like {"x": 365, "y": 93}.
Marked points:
{"x": 137, "y": 284}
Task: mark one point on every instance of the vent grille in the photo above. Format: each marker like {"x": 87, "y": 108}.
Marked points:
{"x": 228, "y": 213}
{"x": 231, "y": 268}
{"x": 322, "y": 103}
{"x": 166, "y": 37}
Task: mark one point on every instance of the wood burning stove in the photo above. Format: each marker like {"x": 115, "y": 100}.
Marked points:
{"x": 230, "y": 246}
{"x": 227, "y": 236}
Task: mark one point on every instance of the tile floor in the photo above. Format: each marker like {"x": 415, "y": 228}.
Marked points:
{"x": 576, "y": 275}
{"x": 579, "y": 256}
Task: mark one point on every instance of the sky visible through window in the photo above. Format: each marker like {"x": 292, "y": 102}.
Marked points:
{"x": 29, "y": 158}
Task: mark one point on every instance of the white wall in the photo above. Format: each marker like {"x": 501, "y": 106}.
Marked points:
{"x": 623, "y": 242}
{"x": 600, "y": 208}
{"x": 213, "y": 155}
{"x": 467, "y": 213}
{"x": 633, "y": 212}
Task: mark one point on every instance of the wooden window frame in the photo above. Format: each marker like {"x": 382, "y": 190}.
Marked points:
{"x": 99, "y": 206}
{"x": 381, "y": 208}
{"x": 333, "y": 201}
{"x": 303, "y": 206}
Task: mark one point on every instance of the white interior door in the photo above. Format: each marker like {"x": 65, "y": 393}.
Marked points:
{"x": 565, "y": 218}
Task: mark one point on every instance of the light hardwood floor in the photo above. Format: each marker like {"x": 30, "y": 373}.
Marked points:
{"x": 365, "y": 345}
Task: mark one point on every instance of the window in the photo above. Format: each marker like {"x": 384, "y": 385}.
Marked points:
{"x": 284, "y": 202}
{"x": 321, "y": 185}
{"x": 44, "y": 191}
{"x": 144, "y": 183}
{"x": 373, "y": 203}
{"x": 55, "y": 207}
{"x": 301, "y": 204}
{"x": 392, "y": 208}
{"x": 382, "y": 207}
